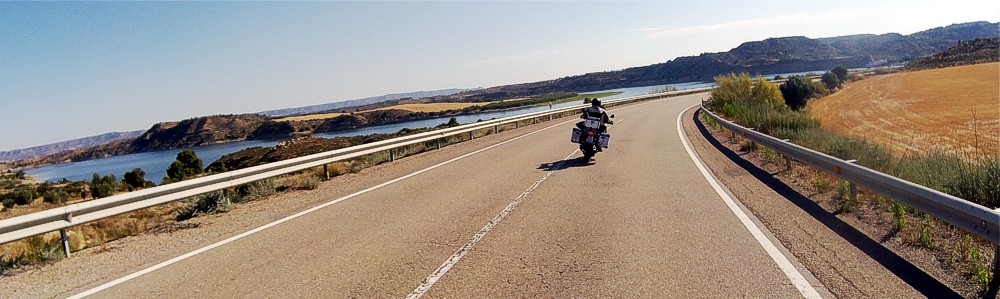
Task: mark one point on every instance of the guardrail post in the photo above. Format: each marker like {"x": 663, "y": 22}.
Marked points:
{"x": 994, "y": 287}
{"x": 496, "y": 129}
{"x": 326, "y": 171}
{"x": 472, "y": 135}
{"x": 392, "y": 155}
{"x": 65, "y": 238}
{"x": 516, "y": 124}
{"x": 852, "y": 185}
{"x": 788, "y": 161}
{"x": 438, "y": 143}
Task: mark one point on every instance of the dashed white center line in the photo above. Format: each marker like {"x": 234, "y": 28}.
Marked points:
{"x": 457, "y": 256}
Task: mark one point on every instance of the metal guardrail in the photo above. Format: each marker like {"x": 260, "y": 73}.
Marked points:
{"x": 61, "y": 218}
{"x": 961, "y": 213}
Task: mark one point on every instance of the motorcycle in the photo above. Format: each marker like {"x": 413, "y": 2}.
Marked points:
{"x": 589, "y": 136}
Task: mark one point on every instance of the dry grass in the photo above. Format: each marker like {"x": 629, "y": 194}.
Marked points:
{"x": 310, "y": 117}
{"x": 954, "y": 109}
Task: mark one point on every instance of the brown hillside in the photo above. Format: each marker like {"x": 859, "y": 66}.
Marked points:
{"x": 951, "y": 109}
{"x": 199, "y": 131}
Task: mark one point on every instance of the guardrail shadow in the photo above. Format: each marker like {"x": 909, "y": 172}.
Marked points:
{"x": 906, "y": 271}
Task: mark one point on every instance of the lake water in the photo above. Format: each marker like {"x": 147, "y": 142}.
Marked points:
{"x": 155, "y": 163}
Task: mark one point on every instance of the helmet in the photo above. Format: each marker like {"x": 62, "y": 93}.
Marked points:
{"x": 596, "y": 102}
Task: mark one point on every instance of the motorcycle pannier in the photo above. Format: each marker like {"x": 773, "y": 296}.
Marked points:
{"x": 603, "y": 140}
{"x": 576, "y": 135}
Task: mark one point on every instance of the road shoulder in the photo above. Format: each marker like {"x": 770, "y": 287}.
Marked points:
{"x": 813, "y": 236}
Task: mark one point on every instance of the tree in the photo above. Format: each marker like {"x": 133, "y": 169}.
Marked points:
{"x": 186, "y": 165}
{"x": 831, "y": 80}
{"x": 841, "y": 73}
{"x": 796, "y": 91}
{"x": 134, "y": 179}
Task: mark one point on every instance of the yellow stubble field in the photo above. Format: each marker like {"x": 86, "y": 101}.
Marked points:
{"x": 955, "y": 109}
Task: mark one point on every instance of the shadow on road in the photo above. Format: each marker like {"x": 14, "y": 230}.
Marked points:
{"x": 909, "y": 273}
{"x": 563, "y": 164}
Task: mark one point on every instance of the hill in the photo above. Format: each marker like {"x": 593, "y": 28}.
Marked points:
{"x": 198, "y": 131}
{"x": 975, "y": 51}
{"x": 773, "y": 55}
{"x": 359, "y": 102}
{"x": 68, "y": 145}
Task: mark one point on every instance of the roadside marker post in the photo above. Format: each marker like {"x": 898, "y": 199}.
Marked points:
{"x": 326, "y": 171}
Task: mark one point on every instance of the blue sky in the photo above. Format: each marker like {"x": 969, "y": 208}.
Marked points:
{"x": 70, "y": 70}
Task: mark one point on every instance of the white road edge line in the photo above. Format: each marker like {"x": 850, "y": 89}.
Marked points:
{"x": 286, "y": 219}
{"x": 786, "y": 266}
{"x": 457, "y": 256}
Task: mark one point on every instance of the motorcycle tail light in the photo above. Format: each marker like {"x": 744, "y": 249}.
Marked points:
{"x": 591, "y": 133}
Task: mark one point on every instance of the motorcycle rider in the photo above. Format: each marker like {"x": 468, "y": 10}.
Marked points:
{"x": 596, "y": 112}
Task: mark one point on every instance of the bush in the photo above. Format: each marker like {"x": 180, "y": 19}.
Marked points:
{"x": 743, "y": 90}
{"x": 103, "y": 186}
{"x": 56, "y": 196}
{"x": 257, "y": 189}
{"x": 23, "y": 195}
{"x": 796, "y": 92}
{"x": 209, "y": 203}
{"x": 830, "y": 80}
{"x": 761, "y": 107}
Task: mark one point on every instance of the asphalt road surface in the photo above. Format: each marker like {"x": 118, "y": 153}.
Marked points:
{"x": 522, "y": 216}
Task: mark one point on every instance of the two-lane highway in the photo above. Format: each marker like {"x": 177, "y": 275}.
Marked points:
{"x": 516, "y": 218}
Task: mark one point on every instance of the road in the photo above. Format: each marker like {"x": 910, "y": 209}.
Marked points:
{"x": 521, "y": 216}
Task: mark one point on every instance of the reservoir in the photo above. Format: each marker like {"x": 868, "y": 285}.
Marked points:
{"x": 155, "y": 163}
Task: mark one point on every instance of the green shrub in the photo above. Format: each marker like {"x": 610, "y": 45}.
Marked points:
{"x": 821, "y": 183}
{"x": 898, "y": 215}
{"x": 103, "y": 186}
{"x": 209, "y": 203}
{"x": 23, "y": 195}
{"x": 926, "y": 231}
{"x": 257, "y": 189}
{"x": 56, "y": 196}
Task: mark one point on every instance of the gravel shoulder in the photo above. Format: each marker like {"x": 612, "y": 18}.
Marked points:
{"x": 852, "y": 255}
